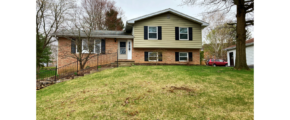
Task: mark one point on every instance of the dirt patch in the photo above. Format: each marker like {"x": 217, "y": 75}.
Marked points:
{"x": 126, "y": 101}
{"x": 173, "y": 88}
{"x": 131, "y": 113}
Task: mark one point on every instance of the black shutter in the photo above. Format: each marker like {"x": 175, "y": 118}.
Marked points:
{"x": 159, "y": 33}
{"x": 190, "y": 33}
{"x": 176, "y": 56}
{"x": 145, "y": 56}
{"x": 145, "y": 32}
{"x": 176, "y": 33}
{"x": 190, "y": 56}
{"x": 103, "y": 46}
{"x": 73, "y": 46}
{"x": 159, "y": 56}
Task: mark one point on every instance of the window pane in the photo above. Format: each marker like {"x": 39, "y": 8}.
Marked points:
{"x": 152, "y": 35}
{"x": 183, "y": 54}
{"x": 183, "y": 30}
{"x": 85, "y": 44}
{"x": 152, "y": 54}
{"x": 183, "y": 58}
{"x": 152, "y": 29}
{"x": 122, "y": 44}
{"x": 152, "y": 58}
{"x": 122, "y": 50}
{"x": 97, "y": 46}
{"x": 183, "y": 36}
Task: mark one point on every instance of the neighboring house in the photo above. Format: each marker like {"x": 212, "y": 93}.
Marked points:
{"x": 166, "y": 37}
{"x": 231, "y": 53}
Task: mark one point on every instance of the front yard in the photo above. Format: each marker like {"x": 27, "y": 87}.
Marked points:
{"x": 152, "y": 92}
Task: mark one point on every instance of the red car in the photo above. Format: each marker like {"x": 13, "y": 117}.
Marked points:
{"x": 216, "y": 62}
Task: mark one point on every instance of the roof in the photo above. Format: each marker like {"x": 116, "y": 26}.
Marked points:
{"x": 130, "y": 22}
{"x": 95, "y": 33}
{"x": 248, "y": 43}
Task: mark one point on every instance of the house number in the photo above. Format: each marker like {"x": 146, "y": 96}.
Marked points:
{"x": 129, "y": 46}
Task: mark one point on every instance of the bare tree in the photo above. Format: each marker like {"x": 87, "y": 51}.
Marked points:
{"x": 217, "y": 34}
{"x": 50, "y": 14}
{"x": 80, "y": 27}
{"x": 98, "y": 9}
{"x": 243, "y": 8}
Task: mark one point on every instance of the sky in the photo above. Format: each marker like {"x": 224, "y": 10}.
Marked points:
{"x": 136, "y": 8}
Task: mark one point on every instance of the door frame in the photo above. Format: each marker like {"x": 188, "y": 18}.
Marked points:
{"x": 231, "y": 58}
{"x": 126, "y": 55}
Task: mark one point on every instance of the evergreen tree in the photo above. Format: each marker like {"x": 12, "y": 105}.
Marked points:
{"x": 112, "y": 22}
{"x": 42, "y": 55}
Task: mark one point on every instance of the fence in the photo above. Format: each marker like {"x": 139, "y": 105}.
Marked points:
{"x": 73, "y": 69}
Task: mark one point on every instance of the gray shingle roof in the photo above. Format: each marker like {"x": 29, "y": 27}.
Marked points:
{"x": 95, "y": 33}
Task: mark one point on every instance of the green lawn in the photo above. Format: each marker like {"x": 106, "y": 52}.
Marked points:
{"x": 152, "y": 92}
{"x": 44, "y": 73}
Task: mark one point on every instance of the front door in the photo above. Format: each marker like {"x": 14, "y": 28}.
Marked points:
{"x": 231, "y": 59}
{"x": 122, "y": 50}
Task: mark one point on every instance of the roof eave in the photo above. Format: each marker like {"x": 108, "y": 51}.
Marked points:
{"x": 231, "y": 48}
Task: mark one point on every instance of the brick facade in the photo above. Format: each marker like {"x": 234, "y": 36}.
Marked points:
{"x": 168, "y": 55}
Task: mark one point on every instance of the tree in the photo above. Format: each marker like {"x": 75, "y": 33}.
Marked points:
{"x": 42, "y": 54}
{"x": 50, "y": 15}
{"x": 98, "y": 9}
{"x": 80, "y": 26}
{"x": 243, "y": 8}
{"x": 112, "y": 22}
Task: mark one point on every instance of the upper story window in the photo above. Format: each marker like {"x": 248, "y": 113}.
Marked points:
{"x": 152, "y": 33}
{"x": 183, "y": 33}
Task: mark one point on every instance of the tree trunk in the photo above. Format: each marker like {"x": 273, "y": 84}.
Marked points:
{"x": 241, "y": 62}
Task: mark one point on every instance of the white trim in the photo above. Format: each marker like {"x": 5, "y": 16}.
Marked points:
{"x": 132, "y": 21}
{"x": 153, "y": 56}
{"x": 153, "y": 32}
{"x": 183, "y": 56}
{"x": 184, "y": 33}
{"x": 85, "y": 51}
{"x": 248, "y": 44}
{"x": 129, "y": 56}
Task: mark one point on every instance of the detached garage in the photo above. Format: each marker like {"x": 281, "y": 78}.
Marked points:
{"x": 231, "y": 53}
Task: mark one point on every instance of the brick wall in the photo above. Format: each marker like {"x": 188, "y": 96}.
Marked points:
{"x": 168, "y": 55}
{"x": 65, "y": 56}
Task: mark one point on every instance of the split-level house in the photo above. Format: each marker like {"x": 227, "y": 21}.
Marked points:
{"x": 163, "y": 37}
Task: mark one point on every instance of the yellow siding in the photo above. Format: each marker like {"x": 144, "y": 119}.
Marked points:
{"x": 168, "y": 32}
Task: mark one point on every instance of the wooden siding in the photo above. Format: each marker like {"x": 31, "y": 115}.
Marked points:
{"x": 168, "y": 32}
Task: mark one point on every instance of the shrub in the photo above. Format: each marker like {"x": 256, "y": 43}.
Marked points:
{"x": 76, "y": 73}
{"x": 201, "y": 56}
{"x": 99, "y": 66}
{"x": 87, "y": 67}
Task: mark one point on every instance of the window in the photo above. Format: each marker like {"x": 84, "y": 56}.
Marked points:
{"x": 152, "y": 56}
{"x": 183, "y": 33}
{"x": 183, "y": 56}
{"x": 152, "y": 32}
{"x": 93, "y": 45}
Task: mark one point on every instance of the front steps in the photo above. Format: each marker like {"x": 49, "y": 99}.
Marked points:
{"x": 123, "y": 63}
